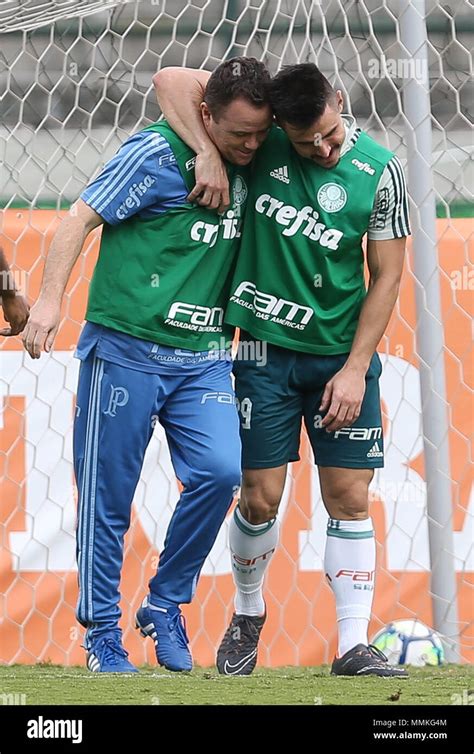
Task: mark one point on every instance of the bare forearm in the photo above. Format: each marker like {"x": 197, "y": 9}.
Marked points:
{"x": 373, "y": 320}
{"x": 180, "y": 92}
{"x": 344, "y": 393}
{"x": 66, "y": 246}
{"x": 62, "y": 255}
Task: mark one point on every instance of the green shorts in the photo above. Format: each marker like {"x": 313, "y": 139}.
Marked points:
{"x": 275, "y": 393}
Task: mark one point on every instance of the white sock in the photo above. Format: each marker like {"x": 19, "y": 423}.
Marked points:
{"x": 251, "y": 547}
{"x": 349, "y": 563}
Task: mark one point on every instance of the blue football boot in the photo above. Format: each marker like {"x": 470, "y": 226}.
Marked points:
{"x": 167, "y": 628}
{"x": 107, "y": 655}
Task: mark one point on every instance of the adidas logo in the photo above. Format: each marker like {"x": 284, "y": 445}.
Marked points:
{"x": 280, "y": 174}
{"x": 375, "y": 451}
{"x": 93, "y": 663}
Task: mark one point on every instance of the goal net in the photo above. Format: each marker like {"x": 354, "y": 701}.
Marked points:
{"x": 75, "y": 82}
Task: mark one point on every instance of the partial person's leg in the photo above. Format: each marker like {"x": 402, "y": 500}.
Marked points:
{"x": 271, "y": 410}
{"x": 349, "y": 560}
{"x": 253, "y": 535}
{"x": 112, "y": 429}
{"x": 202, "y": 429}
{"x": 346, "y": 460}
{"x": 201, "y": 424}
{"x": 253, "y": 539}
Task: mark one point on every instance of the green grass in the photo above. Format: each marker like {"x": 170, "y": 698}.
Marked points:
{"x": 51, "y": 684}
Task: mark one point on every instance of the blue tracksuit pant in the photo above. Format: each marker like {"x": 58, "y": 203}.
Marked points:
{"x": 117, "y": 407}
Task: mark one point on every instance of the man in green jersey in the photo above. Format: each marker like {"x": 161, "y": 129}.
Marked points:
{"x": 155, "y": 310}
{"x": 319, "y": 185}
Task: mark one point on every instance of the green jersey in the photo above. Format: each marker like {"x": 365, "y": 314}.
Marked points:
{"x": 167, "y": 279}
{"x": 299, "y": 279}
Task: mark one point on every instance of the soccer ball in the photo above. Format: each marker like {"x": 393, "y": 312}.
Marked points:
{"x": 409, "y": 642}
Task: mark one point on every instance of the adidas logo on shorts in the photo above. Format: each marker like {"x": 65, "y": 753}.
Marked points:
{"x": 280, "y": 174}
{"x": 375, "y": 451}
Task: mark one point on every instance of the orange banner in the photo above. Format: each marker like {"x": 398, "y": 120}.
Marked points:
{"x": 38, "y": 581}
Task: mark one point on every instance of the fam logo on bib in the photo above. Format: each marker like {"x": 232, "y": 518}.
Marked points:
{"x": 332, "y": 197}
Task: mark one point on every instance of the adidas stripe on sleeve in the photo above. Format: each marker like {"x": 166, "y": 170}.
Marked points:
{"x": 134, "y": 179}
{"x": 389, "y": 218}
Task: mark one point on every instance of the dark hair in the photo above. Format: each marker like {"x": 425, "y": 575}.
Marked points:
{"x": 245, "y": 78}
{"x": 299, "y": 94}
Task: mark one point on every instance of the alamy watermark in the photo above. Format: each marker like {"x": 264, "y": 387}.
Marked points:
{"x": 14, "y": 280}
{"x": 463, "y": 279}
{"x": 413, "y": 493}
{"x": 398, "y": 68}
{"x": 12, "y": 700}
{"x": 42, "y": 727}
{"x": 246, "y": 350}
{"x": 466, "y": 698}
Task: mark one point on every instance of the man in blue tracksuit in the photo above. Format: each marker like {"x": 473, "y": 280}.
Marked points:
{"x": 152, "y": 348}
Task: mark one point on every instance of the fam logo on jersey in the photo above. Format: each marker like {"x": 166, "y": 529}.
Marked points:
{"x": 332, "y": 197}
{"x": 194, "y": 317}
{"x": 271, "y": 308}
{"x": 239, "y": 190}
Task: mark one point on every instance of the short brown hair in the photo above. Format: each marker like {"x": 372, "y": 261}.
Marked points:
{"x": 299, "y": 95}
{"x": 245, "y": 78}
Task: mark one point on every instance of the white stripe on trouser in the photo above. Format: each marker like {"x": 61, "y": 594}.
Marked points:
{"x": 82, "y": 526}
{"x": 95, "y": 439}
{"x": 88, "y": 493}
